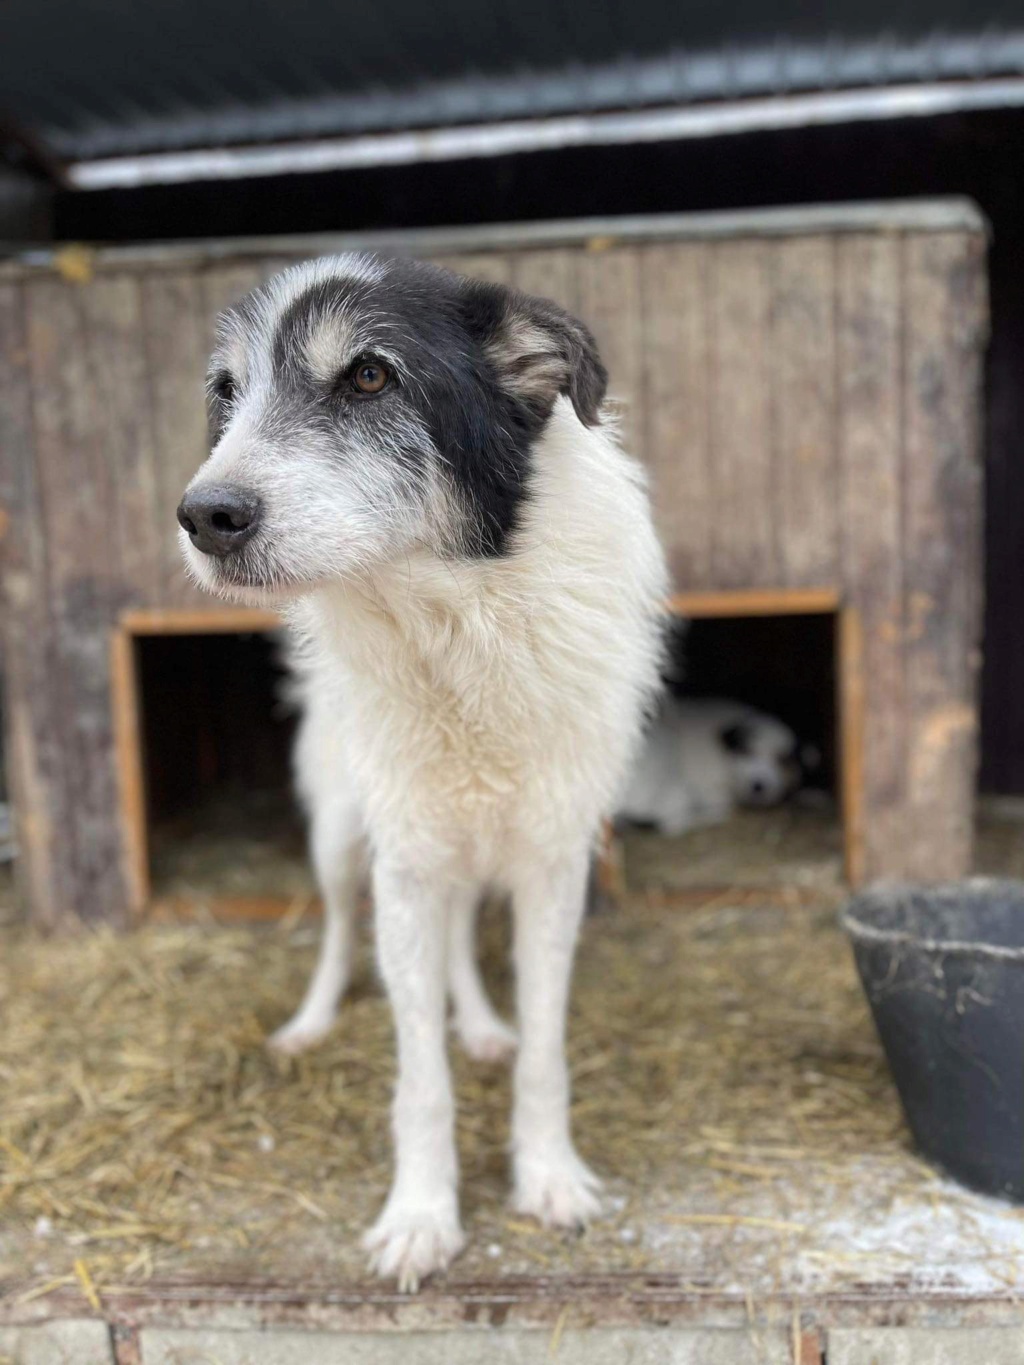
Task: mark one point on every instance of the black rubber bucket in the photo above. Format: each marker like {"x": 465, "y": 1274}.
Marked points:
{"x": 943, "y": 969}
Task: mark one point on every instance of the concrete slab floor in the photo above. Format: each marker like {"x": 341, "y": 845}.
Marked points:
{"x": 68, "y": 1342}
{"x": 501, "y": 1346}
{"x": 926, "y": 1346}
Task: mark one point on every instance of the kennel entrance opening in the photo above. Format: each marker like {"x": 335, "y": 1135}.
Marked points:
{"x": 181, "y": 729}
{"x": 204, "y": 733}
{"x": 795, "y": 654}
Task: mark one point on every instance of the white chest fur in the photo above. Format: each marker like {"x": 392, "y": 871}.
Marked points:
{"x": 481, "y": 704}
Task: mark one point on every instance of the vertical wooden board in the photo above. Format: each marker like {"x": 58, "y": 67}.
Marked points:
{"x": 176, "y": 354}
{"x": 744, "y": 552}
{"x": 870, "y": 494}
{"x": 611, "y": 304}
{"x": 494, "y": 266}
{"x": 70, "y": 423}
{"x": 945, "y": 325}
{"x": 447, "y": 263}
{"x": 548, "y": 274}
{"x": 675, "y": 398}
{"x": 273, "y": 265}
{"x": 802, "y": 363}
{"x": 131, "y": 775}
{"x": 115, "y": 332}
{"x": 86, "y": 586}
{"x": 223, "y": 285}
{"x": 34, "y": 748}
{"x": 851, "y": 698}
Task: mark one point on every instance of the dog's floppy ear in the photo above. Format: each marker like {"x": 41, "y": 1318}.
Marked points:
{"x": 538, "y": 349}
{"x": 736, "y": 738}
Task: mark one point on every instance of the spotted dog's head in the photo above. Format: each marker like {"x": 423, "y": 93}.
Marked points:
{"x": 766, "y": 761}
{"x": 363, "y": 408}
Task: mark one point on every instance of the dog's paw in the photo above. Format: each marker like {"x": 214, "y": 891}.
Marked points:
{"x": 408, "y": 1243}
{"x": 301, "y": 1032}
{"x": 486, "y": 1040}
{"x": 560, "y": 1191}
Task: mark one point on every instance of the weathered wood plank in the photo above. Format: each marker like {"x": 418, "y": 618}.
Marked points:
{"x": 126, "y": 705}
{"x": 34, "y": 750}
{"x": 494, "y": 266}
{"x": 548, "y": 275}
{"x": 273, "y": 265}
{"x": 611, "y": 303}
{"x": 868, "y": 340}
{"x": 217, "y": 619}
{"x": 744, "y": 551}
{"x": 221, "y": 287}
{"x": 116, "y": 332}
{"x": 677, "y": 382}
{"x": 945, "y": 322}
{"x": 851, "y": 725}
{"x": 176, "y": 355}
{"x": 803, "y": 382}
{"x": 86, "y": 587}
{"x": 756, "y": 602}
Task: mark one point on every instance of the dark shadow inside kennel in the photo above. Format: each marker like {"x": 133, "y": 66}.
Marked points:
{"x": 785, "y": 665}
{"x": 216, "y": 731}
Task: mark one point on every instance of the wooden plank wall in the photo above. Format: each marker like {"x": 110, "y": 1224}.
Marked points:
{"x": 807, "y": 407}
{"x": 943, "y": 291}
{"x": 870, "y": 494}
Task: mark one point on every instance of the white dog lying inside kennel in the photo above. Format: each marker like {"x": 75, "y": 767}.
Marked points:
{"x": 703, "y": 757}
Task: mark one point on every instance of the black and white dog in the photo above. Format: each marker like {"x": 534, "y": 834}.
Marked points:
{"x": 418, "y": 468}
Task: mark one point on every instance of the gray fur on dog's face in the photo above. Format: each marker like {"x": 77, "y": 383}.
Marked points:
{"x": 374, "y": 407}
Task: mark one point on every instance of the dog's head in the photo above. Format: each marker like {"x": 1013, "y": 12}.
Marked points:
{"x": 766, "y": 761}
{"x": 363, "y": 408}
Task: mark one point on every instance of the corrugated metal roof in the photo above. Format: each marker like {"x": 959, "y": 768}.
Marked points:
{"x": 90, "y": 79}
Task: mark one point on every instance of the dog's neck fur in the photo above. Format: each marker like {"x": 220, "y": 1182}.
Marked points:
{"x": 434, "y": 608}
{"x": 476, "y": 678}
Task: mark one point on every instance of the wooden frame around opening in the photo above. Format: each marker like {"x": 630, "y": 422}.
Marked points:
{"x": 849, "y": 684}
{"x": 126, "y": 704}
{"x": 127, "y": 713}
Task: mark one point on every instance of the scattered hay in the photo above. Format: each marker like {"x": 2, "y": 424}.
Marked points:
{"x": 797, "y": 845}
{"x": 727, "y": 1083}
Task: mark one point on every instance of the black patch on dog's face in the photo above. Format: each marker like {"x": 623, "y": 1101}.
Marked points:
{"x": 736, "y": 738}
{"x": 477, "y": 365}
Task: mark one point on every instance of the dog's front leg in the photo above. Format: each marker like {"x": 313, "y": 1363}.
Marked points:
{"x": 336, "y": 846}
{"x": 418, "y": 1231}
{"x": 551, "y": 1182}
{"x": 483, "y": 1035}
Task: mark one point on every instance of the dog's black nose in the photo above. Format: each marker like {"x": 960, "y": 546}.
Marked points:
{"x": 219, "y": 520}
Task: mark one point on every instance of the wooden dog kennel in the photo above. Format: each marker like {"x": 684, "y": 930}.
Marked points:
{"x": 803, "y": 385}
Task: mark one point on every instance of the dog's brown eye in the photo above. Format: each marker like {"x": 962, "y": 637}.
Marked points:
{"x": 370, "y": 376}
{"x": 224, "y": 388}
